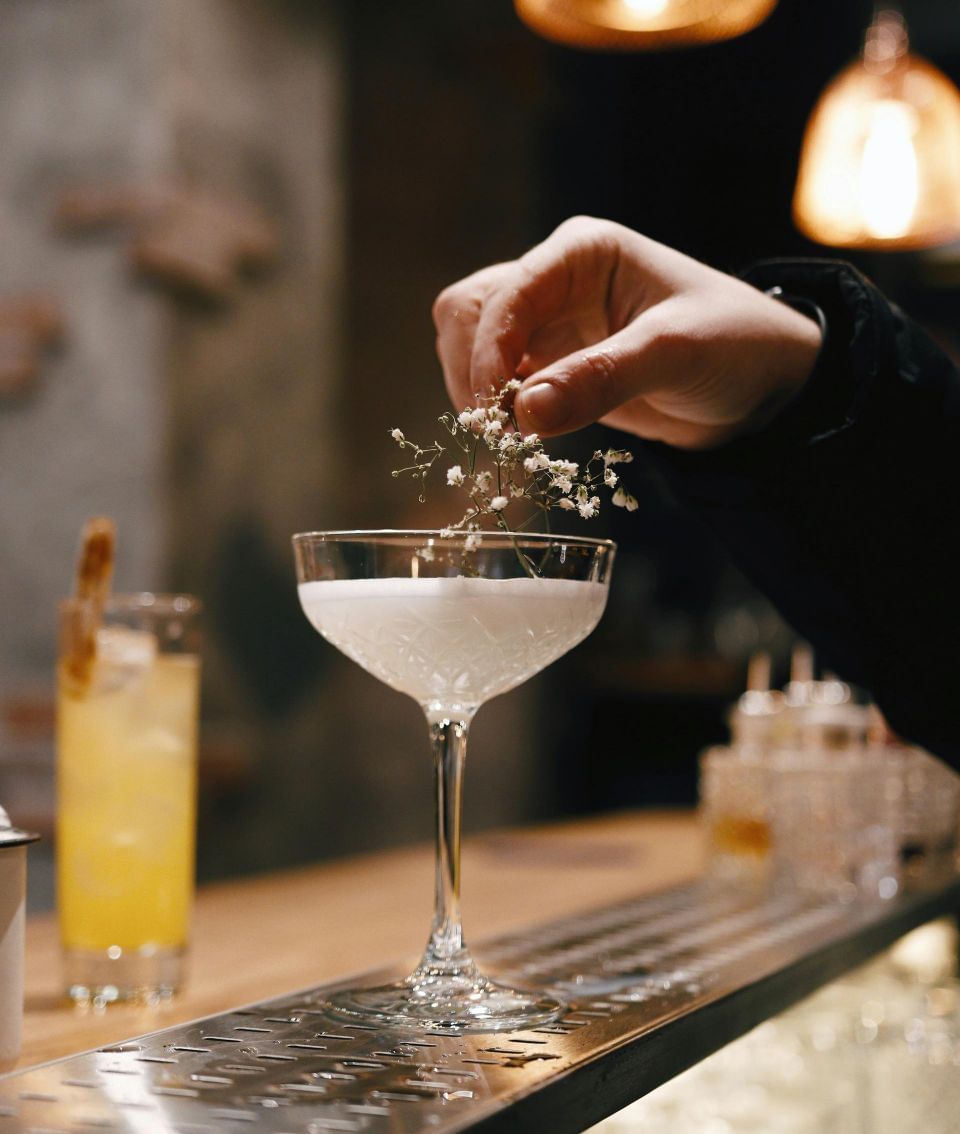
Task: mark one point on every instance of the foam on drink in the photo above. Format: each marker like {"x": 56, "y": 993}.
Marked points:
{"x": 453, "y": 641}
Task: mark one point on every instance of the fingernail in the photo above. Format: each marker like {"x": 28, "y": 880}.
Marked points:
{"x": 548, "y": 406}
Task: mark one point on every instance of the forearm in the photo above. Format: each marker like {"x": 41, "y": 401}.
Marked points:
{"x": 842, "y": 508}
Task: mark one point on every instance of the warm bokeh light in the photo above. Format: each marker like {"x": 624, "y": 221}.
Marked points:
{"x": 888, "y": 176}
{"x": 646, "y": 9}
{"x": 641, "y": 24}
{"x": 881, "y": 158}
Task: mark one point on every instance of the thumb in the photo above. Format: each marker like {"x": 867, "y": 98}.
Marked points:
{"x": 585, "y": 386}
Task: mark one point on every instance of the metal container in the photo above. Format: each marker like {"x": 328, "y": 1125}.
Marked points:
{"x": 13, "y": 887}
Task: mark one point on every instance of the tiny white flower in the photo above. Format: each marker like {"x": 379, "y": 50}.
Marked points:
{"x": 518, "y": 462}
{"x": 623, "y": 499}
{"x": 427, "y": 553}
{"x": 617, "y": 457}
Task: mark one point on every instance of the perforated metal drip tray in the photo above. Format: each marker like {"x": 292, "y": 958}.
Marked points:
{"x": 653, "y": 985}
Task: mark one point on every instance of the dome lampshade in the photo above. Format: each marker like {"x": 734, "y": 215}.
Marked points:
{"x": 638, "y": 25}
{"x": 880, "y": 166}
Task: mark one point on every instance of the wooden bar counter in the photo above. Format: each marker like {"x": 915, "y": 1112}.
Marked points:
{"x": 265, "y": 936}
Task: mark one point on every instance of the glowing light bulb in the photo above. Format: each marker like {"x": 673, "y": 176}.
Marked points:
{"x": 646, "y": 9}
{"x": 880, "y": 166}
{"x": 889, "y": 179}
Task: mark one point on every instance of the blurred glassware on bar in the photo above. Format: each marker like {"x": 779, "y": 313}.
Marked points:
{"x": 735, "y": 802}
{"x": 641, "y": 25}
{"x": 834, "y": 824}
{"x": 814, "y": 794}
{"x": 803, "y": 689}
{"x": 880, "y": 166}
{"x": 735, "y": 791}
{"x": 832, "y": 726}
{"x": 756, "y": 718}
{"x": 926, "y": 796}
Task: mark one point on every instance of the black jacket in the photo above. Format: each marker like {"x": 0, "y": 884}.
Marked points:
{"x": 846, "y": 510}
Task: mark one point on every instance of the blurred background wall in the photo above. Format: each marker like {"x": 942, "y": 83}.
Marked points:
{"x": 232, "y": 217}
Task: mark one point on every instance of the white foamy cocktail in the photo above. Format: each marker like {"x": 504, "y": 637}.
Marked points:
{"x": 453, "y": 641}
{"x": 452, "y": 622}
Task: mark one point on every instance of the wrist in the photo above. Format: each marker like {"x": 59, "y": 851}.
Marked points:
{"x": 799, "y": 345}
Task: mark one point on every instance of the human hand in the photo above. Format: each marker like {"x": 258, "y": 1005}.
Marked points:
{"x": 603, "y": 324}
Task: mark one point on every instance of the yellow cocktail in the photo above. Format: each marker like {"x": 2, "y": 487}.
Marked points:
{"x": 126, "y": 815}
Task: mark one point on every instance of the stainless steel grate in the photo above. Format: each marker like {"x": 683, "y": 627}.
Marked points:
{"x": 652, "y": 985}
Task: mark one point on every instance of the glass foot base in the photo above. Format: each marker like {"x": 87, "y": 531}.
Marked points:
{"x": 447, "y": 1004}
{"x": 145, "y": 976}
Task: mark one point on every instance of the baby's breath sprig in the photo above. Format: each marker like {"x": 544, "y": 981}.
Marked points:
{"x": 423, "y": 459}
{"x": 520, "y": 471}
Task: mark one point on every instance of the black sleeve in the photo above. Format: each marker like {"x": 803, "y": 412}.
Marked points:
{"x": 845, "y": 509}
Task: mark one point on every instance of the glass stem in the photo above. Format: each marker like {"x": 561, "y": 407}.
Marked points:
{"x": 445, "y": 950}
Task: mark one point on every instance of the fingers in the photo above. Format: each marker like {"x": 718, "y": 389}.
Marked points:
{"x": 455, "y": 315}
{"x": 510, "y": 319}
{"x": 644, "y": 420}
{"x": 569, "y": 270}
{"x": 487, "y": 322}
{"x": 593, "y": 383}
{"x": 601, "y": 323}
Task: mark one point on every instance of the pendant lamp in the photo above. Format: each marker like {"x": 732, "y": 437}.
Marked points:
{"x": 638, "y": 25}
{"x": 880, "y": 166}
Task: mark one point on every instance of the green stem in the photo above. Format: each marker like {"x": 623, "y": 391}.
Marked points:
{"x": 529, "y": 567}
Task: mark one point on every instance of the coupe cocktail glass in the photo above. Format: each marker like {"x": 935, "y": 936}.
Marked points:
{"x": 452, "y": 622}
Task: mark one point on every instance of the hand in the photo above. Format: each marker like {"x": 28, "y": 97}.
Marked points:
{"x": 603, "y": 324}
